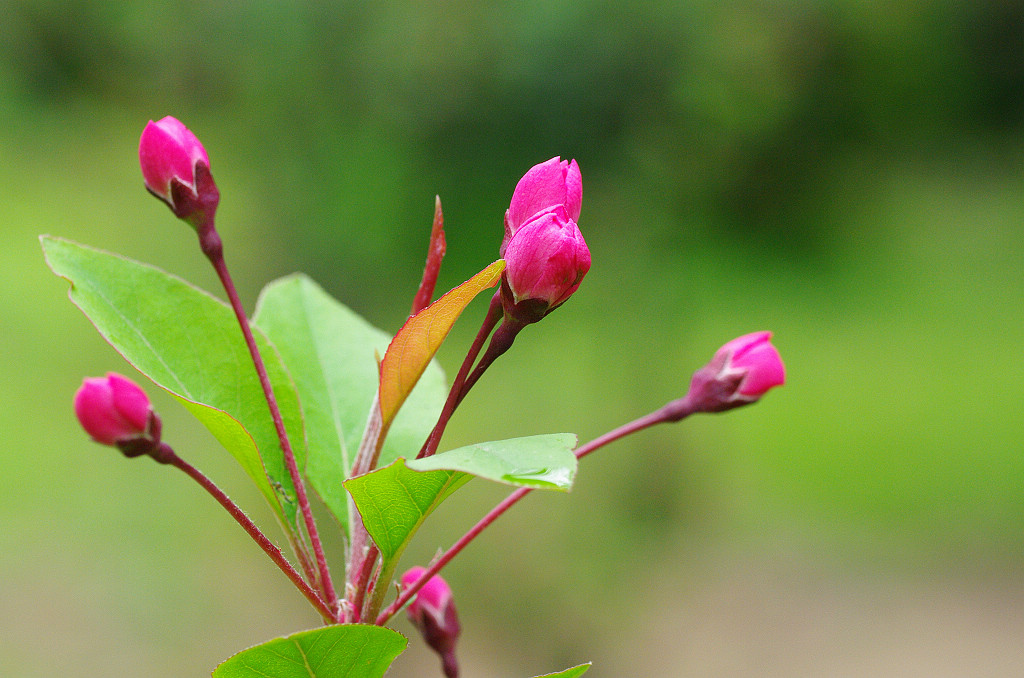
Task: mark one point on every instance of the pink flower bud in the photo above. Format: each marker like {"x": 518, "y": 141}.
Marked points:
{"x": 432, "y": 611}
{"x": 545, "y": 261}
{"x": 176, "y": 168}
{"x": 112, "y": 409}
{"x": 759, "y": 361}
{"x": 740, "y": 373}
{"x": 546, "y": 186}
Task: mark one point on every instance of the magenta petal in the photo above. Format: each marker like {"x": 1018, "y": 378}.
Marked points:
{"x": 755, "y": 354}
{"x": 412, "y": 575}
{"x": 432, "y": 611}
{"x": 432, "y": 596}
{"x": 739, "y": 346}
{"x": 435, "y": 594}
{"x": 769, "y": 373}
{"x": 185, "y": 139}
{"x": 547, "y": 259}
{"x": 156, "y": 150}
{"x": 542, "y": 187}
{"x": 740, "y": 372}
{"x": 94, "y": 408}
{"x": 130, "y": 400}
{"x": 573, "y": 191}
{"x": 168, "y": 151}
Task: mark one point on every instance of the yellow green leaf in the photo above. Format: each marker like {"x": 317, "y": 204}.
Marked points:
{"x": 416, "y": 343}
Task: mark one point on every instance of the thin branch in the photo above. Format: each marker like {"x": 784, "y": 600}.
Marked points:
{"x": 459, "y": 388}
{"x": 167, "y": 455}
{"x": 213, "y": 249}
{"x": 662, "y": 415}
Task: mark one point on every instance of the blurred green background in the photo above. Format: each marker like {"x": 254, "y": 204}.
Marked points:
{"x": 846, "y": 174}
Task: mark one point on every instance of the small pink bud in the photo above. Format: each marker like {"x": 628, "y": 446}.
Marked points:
{"x": 545, "y": 263}
{"x": 754, "y": 355}
{"x": 546, "y": 186}
{"x": 176, "y": 169}
{"x": 112, "y": 409}
{"x": 432, "y": 611}
{"x": 742, "y": 371}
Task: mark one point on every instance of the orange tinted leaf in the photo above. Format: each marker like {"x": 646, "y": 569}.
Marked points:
{"x": 416, "y": 343}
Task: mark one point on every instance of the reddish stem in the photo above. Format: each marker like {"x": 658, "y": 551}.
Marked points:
{"x": 459, "y": 387}
{"x": 449, "y": 664}
{"x": 212, "y": 247}
{"x": 364, "y": 555}
{"x": 446, "y": 557}
{"x": 166, "y": 455}
{"x": 500, "y": 343}
{"x": 364, "y": 552}
{"x": 670, "y": 412}
{"x": 362, "y": 579}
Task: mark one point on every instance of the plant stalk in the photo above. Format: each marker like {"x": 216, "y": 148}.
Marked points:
{"x": 212, "y": 247}
{"x": 166, "y": 455}
{"x": 368, "y": 596}
{"x": 459, "y": 388}
{"x": 670, "y": 412}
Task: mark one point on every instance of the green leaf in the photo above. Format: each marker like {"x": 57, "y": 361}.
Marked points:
{"x": 418, "y": 340}
{"x": 331, "y": 352}
{"x": 394, "y": 501}
{"x": 343, "y": 651}
{"x": 569, "y": 673}
{"x": 541, "y": 462}
{"x": 189, "y": 344}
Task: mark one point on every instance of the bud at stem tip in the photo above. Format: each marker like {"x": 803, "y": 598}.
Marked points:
{"x": 112, "y": 409}
{"x": 432, "y": 611}
{"x": 545, "y": 254}
{"x": 176, "y": 169}
{"x": 741, "y": 371}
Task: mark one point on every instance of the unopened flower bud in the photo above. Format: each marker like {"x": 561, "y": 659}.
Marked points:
{"x": 547, "y": 185}
{"x": 432, "y": 611}
{"x": 741, "y": 372}
{"x": 545, "y": 262}
{"x": 176, "y": 169}
{"x": 113, "y": 409}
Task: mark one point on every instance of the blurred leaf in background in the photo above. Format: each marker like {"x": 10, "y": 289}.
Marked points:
{"x": 846, "y": 174}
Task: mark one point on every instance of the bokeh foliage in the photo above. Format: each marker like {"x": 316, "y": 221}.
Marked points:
{"x": 846, "y": 174}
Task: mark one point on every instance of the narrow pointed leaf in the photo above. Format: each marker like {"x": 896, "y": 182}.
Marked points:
{"x": 343, "y": 651}
{"x": 574, "y": 672}
{"x": 418, "y": 340}
{"x": 541, "y": 462}
{"x": 189, "y": 344}
{"x": 330, "y": 352}
{"x": 394, "y": 501}
{"x": 435, "y": 254}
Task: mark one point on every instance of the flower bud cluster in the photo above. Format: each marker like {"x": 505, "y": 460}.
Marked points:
{"x": 545, "y": 254}
{"x": 546, "y": 259}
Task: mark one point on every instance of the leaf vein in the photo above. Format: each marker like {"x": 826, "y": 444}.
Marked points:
{"x": 113, "y": 307}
